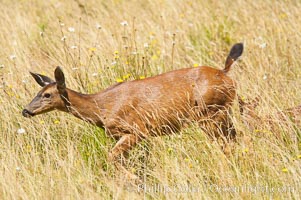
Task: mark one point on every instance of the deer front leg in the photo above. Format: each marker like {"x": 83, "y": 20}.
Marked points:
{"x": 124, "y": 144}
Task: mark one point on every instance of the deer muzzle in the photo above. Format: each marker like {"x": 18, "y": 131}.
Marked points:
{"x": 27, "y": 113}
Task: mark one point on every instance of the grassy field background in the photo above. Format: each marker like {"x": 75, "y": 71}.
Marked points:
{"x": 99, "y": 43}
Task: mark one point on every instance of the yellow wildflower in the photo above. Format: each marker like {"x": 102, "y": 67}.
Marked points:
{"x": 10, "y": 94}
{"x": 267, "y": 131}
{"x": 28, "y": 148}
{"x": 245, "y": 150}
{"x": 133, "y": 170}
{"x": 126, "y": 76}
{"x": 92, "y": 49}
{"x": 56, "y": 121}
{"x": 284, "y": 169}
{"x": 190, "y": 165}
{"x": 154, "y": 57}
{"x": 195, "y": 65}
{"x": 119, "y": 80}
{"x": 142, "y": 77}
{"x": 154, "y": 42}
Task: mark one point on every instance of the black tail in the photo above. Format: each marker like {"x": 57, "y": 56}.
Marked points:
{"x": 235, "y": 53}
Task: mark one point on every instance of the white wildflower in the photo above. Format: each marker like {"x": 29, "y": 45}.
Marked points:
{"x": 146, "y": 45}
{"x": 12, "y": 57}
{"x": 94, "y": 74}
{"x": 260, "y": 42}
{"x": 262, "y": 45}
{"x": 124, "y": 23}
{"x": 71, "y": 29}
{"x": 73, "y": 47}
{"x": 98, "y": 26}
{"x": 21, "y": 131}
{"x": 64, "y": 38}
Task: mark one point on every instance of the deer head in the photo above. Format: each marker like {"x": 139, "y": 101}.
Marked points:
{"x": 52, "y": 96}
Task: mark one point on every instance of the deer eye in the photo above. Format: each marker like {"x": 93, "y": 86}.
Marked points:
{"x": 47, "y": 95}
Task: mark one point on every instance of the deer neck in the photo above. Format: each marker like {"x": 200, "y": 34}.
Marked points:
{"x": 85, "y": 106}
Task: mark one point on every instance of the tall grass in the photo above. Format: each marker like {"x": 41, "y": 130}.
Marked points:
{"x": 99, "y": 43}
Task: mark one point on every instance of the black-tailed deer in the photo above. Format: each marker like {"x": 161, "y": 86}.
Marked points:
{"x": 135, "y": 110}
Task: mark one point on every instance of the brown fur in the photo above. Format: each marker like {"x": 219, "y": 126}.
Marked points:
{"x": 153, "y": 106}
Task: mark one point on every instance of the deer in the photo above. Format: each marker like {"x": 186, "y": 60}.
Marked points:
{"x": 135, "y": 110}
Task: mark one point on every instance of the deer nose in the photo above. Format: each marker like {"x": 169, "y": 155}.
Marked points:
{"x": 27, "y": 113}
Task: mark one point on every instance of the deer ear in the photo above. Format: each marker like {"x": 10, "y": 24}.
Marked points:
{"x": 41, "y": 79}
{"x": 60, "y": 80}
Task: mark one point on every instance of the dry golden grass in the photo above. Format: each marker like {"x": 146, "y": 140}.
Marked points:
{"x": 99, "y": 43}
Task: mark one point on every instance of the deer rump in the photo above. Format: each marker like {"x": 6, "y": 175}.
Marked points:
{"x": 164, "y": 103}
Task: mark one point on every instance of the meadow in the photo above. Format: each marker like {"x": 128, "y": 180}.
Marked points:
{"x": 100, "y": 43}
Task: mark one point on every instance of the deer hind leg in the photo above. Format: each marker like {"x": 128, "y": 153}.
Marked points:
{"x": 124, "y": 144}
{"x": 216, "y": 121}
{"x": 225, "y": 130}
{"x": 224, "y": 126}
